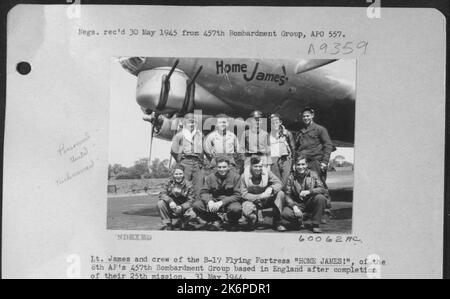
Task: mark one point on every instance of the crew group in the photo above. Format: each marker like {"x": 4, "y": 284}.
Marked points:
{"x": 211, "y": 189}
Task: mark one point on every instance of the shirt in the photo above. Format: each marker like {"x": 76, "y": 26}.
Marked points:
{"x": 314, "y": 142}
{"x": 281, "y": 143}
{"x": 253, "y": 142}
{"x": 218, "y": 143}
{"x": 225, "y": 189}
{"x": 252, "y": 187}
{"x": 181, "y": 193}
{"x": 186, "y": 143}
{"x": 297, "y": 183}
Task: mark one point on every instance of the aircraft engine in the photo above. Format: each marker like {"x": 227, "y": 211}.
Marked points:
{"x": 167, "y": 90}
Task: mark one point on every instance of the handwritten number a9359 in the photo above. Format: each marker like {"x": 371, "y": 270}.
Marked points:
{"x": 339, "y": 48}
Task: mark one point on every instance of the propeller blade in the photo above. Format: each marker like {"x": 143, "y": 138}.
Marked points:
{"x": 192, "y": 81}
{"x": 149, "y": 163}
{"x": 172, "y": 70}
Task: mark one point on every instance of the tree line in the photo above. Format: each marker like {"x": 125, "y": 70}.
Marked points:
{"x": 161, "y": 168}
{"x": 141, "y": 170}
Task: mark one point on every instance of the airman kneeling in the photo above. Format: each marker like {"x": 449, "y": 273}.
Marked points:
{"x": 304, "y": 194}
{"x": 220, "y": 197}
{"x": 261, "y": 189}
{"x": 175, "y": 201}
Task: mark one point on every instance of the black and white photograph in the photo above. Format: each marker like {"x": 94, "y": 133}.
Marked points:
{"x": 231, "y": 144}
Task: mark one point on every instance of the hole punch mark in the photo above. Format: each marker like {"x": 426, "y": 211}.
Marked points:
{"x": 24, "y": 68}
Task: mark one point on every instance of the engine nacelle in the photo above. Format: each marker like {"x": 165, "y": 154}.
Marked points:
{"x": 175, "y": 97}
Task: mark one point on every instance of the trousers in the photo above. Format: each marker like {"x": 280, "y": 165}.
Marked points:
{"x": 167, "y": 215}
{"x": 233, "y": 212}
{"x": 314, "y": 205}
{"x": 277, "y": 202}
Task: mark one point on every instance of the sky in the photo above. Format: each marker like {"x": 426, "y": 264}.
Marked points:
{"x": 129, "y": 135}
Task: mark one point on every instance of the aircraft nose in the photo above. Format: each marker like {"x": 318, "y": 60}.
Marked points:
{"x": 132, "y": 64}
{"x": 151, "y": 91}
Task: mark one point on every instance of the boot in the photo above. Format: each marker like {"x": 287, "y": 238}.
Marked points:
{"x": 168, "y": 226}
